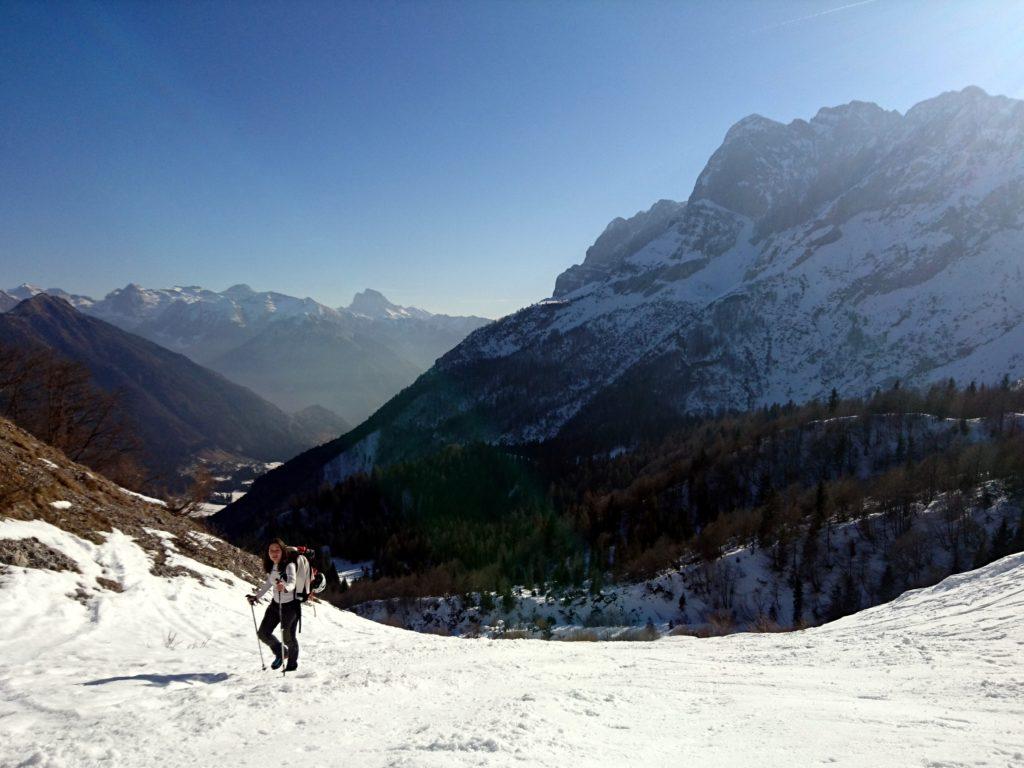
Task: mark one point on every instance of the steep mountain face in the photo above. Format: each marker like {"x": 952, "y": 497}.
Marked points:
{"x": 852, "y": 250}
{"x": 295, "y": 352}
{"x": 179, "y": 409}
{"x": 7, "y": 302}
{"x": 849, "y": 251}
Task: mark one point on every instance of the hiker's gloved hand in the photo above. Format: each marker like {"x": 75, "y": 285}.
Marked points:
{"x": 252, "y": 599}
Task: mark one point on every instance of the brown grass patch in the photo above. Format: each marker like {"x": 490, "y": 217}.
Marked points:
{"x": 111, "y": 584}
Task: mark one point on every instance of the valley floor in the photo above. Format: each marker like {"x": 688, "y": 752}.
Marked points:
{"x": 166, "y": 673}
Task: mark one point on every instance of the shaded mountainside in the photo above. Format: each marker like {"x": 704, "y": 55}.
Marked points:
{"x": 180, "y": 410}
{"x": 7, "y": 301}
{"x": 851, "y": 251}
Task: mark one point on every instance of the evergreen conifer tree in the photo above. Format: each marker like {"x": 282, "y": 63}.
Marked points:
{"x": 798, "y": 598}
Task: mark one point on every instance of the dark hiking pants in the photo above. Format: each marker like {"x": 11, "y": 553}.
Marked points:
{"x": 290, "y": 617}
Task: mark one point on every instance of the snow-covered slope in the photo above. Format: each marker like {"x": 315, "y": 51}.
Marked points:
{"x": 165, "y": 672}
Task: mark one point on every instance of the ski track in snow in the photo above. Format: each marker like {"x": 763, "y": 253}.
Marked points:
{"x": 167, "y": 673}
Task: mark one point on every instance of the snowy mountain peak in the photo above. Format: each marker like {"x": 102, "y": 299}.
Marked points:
{"x": 370, "y": 302}
{"x": 373, "y": 304}
{"x": 25, "y": 291}
{"x": 238, "y": 291}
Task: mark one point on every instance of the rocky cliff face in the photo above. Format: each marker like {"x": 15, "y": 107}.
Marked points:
{"x": 847, "y": 251}
{"x": 852, "y": 250}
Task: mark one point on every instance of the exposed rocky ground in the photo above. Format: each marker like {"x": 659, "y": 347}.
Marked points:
{"x": 40, "y": 483}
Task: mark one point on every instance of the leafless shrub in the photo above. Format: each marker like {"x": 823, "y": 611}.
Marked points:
{"x": 721, "y": 622}
{"x": 440, "y": 631}
{"x": 197, "y": 493}
{"x": 685, "y": 630}
{"x": 577, "y": 635}
{"x": 645, "y": 634}
{"x": 392, "y": 621}
{"x": 764, "y": 623}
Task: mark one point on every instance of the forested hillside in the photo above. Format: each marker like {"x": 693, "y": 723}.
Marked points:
{"x": 777, "y": 479}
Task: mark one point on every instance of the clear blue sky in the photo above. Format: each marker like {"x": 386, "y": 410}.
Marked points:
{"x": 456, "y": 156}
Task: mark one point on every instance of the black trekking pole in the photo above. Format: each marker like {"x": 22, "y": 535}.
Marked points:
{"x": 280, "y": 620}
{"x": 259, "y": 645}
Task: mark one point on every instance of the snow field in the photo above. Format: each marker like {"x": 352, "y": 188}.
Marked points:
{"x": 167, "y": 673}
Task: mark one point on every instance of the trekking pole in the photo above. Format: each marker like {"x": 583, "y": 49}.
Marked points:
{"x": 280, "y": 620}
{"x": 259, "y": 645}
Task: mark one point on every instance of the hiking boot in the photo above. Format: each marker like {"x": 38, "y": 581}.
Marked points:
{"x": 278, "y": 659}
{"x": 291, "y": 667}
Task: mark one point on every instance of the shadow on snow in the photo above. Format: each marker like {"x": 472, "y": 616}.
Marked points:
{"x": 164, "y": 680}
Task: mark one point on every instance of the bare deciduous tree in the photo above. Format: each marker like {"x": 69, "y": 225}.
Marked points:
{"x": 57, "y": 401}
{"x": 197, "y": 493}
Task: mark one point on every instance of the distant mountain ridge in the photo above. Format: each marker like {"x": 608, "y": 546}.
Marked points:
{"x": 851, "y": 251}
{"x": 295, "y": 352}
{"x": 180, "y": 410}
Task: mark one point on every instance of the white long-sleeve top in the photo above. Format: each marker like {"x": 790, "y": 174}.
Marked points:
{"x": 272, "y": 578}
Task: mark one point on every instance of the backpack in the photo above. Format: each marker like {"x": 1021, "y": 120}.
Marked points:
{"x": 309, "y": 580}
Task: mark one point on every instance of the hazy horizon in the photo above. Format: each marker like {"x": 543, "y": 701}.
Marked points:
{"x": 216, "y": 289}
{"x": 455, "y": 157}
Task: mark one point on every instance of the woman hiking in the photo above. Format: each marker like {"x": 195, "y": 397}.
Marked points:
{"x": 283, "y": 605}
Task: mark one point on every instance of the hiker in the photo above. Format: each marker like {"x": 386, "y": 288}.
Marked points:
{"x": 283, "y": 608}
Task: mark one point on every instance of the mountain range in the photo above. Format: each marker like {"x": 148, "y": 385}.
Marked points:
{"x": 179, "y": 410}
{"x": 860, "y": 249}
{"x": 294, "y": 352}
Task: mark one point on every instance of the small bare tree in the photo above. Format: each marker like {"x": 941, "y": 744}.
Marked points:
{"x": 57, "y": 401}
{"x": 195, "y": 495}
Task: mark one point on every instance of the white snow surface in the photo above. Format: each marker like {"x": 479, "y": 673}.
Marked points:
{"x": 350, "y": 570}
{"x": 147, "y": 499}
{"x": 166, "y": 673}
